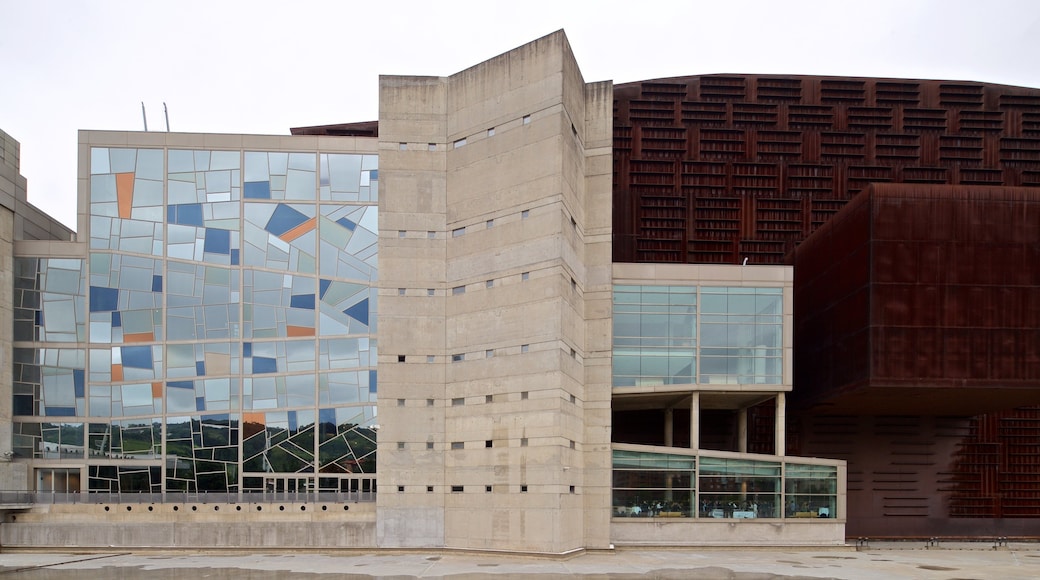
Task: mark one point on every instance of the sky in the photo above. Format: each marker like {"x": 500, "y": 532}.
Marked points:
{"x": 262, "y": 66}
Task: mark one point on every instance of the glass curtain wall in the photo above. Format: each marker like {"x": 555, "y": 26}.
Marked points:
{"x": 223, "y": 325}
{"x": 674, "y": 335}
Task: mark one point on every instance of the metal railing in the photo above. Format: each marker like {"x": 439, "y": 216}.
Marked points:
{"x": 8, "y": 498}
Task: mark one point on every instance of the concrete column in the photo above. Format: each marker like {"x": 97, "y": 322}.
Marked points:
{"x": 669, "y": 426}
{"x": 695, "y": 421}
{"x": 742, "y": 430}
{"x": 781, "y": 424}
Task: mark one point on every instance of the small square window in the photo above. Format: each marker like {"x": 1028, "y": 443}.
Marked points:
{"x": 490, "y": 224}
{"x": 523, "y": 489}
{"x": 574, "y": 224}
{"x": 489, "y": 284}
{"x": 487, "y": 489}
{"x": 400, "y": 358}
{"x": 489, "y": 353}
{"x": 525, "y": 276}
{"x": 400, "y": 291}
{"x": 400, "y": 402}
{"x": 572, "y": 489}
{"x": 491, "y": 132}
{"x": 458, "y": 401}
{"x": 458, "y": 290}
{"x": 430, "y": 292}
{"x": 574, "y": 353}
{"x": 402, "y": 146}
{"x": 458, "y": 232}
{"x": 429, "y": 402}
{"x": 400, "y": 445}
{"x": 488, "y": 443}
{"x": 574, "y": 284}
{"x": 456, "y": 489}
{"x": 431, "y": 146}
{"x": 526, "y": 120}
{"x": 401, "y": 233}
{"x": 458, "y": 357}
{"x": 429, "y": 489}
{"x": 523, "y": 442}
{"x": 525, "y": 214}
{"x": 524, "y": 348}
{"x": 574, "y": 399}
{"x": 460, "y": 143}
{"x": 429, "y": 358}
{"x": 431, "y": 235}
{"x": 572, "y": 444}
{"x": 458, "y": 445}
{"x": 489, "y": 398}
{"x": 523, "y": 395}
{"x": 429, "y": 445}
{"x": 400, "y": 489}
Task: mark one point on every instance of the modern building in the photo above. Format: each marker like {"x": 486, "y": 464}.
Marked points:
{"x": 520, "y": 312}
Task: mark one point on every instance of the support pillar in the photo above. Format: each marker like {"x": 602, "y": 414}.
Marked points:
{"x": 742, "y": 430}
{"x": 781, "y": 424}
{"x": 695, "y": 421}
{"x": 669, "y": 426}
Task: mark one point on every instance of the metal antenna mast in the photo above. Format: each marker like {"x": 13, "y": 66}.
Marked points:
{"x": 144, "y": 116}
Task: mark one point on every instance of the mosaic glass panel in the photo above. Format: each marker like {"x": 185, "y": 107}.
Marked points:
{"x": 126, "y": 200}
{"x": 347, "y": 387}
{"x": 202, "y": 302}
{"x": 48, "y": 440}
{"x": 50, "y": 382}
{"x": 125, "y": 299}
{"x": 347, "y": 177}
{"x": 211, "y": 359}
{"x": 202, "y": 210}
{"x": 347, "y": 242}
{"x": 346, "y": 353}
{"x": 49, "y": 300}
{"x": 132, "y": 439}
{"x": 202, "y": 453}
{"x": 124, "y": 478}
{"x": 741, "y": 335}
{"x": 347, "y": 440}
{"x": 281, "y": 176}
{"x": 278, "y": 441}
{"x": 278, "y": 305}
{"x": 281, "y": 236}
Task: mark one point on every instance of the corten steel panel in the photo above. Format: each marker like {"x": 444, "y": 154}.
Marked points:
{"x": 719, "y": 168}
{"x": 921, "y": 299}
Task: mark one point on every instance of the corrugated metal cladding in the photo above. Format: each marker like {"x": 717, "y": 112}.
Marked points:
{"x": 719, "y": 168}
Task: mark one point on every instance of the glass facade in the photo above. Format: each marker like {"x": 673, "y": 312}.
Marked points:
{"x": 221, "y": 334}
{"x": 650, "y": 484}
{"x": 676, "y": 335}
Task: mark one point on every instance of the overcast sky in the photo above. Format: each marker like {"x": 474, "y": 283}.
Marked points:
{"x": 263, "y": 66}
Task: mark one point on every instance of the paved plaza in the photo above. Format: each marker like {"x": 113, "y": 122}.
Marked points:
{"x": 882, "y": 561}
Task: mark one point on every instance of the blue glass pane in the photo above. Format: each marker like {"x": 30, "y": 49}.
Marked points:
{"x": 323, "y": 285}
{"x": 346, "y": 223}
{"x": 181, "y": 385}
{"x": 217, "y": 241}
{"x": 156, "y": 283}
{"x": 188, "y": 214}
{"x": 372, "y": 381}
{"x": 264, "y": 365}
{"x": 138, "y": 357}
{"x": 302, "y": 301}
{"x": 200, "y": 403}
{"x": 234, "y": 257}
{"x": 247, "y": 349}
{"x": 200, "y": 368}
{"x": 359, "y": 311}
{"x": 103, "y": 299}
{"x": 60, "y": 411}
{"x": 77, "y": 379}
{"x": 117, "y": 319}
{"x": 257, "y": 190}
{"x": 284, "y": 219}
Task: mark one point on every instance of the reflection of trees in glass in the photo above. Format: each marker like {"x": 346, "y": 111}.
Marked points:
{"x": 347, "y": 448}
{"x": 202, "y": 453}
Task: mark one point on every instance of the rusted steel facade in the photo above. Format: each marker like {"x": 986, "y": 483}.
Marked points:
{"x": 923, "y": 376}
{"x": 719, "y": 168}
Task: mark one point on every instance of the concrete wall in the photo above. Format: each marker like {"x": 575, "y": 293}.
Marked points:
{"x": 494, "y": 224}
{"x": 700, "y": 532}
{"x": 197, "y": 526}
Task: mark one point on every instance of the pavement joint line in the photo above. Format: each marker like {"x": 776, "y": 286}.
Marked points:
{"x": 53, "y": 564}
